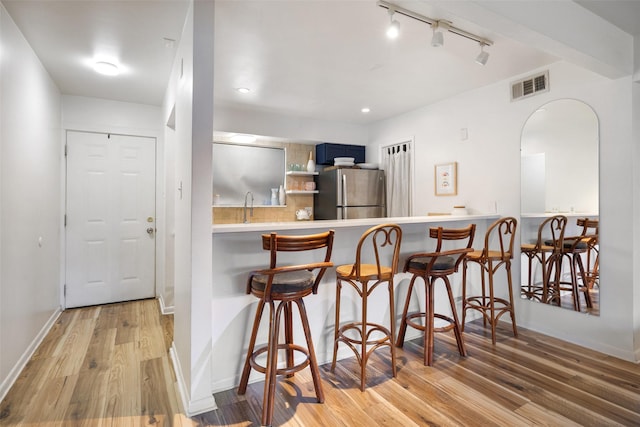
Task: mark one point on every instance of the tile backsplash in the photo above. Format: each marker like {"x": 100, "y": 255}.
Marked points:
{"x": 296, "y": 154}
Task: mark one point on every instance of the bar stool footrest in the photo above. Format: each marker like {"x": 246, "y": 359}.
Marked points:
{"x": 281, "y": 371}
{"x": 420, "y": 327}
{"x": 482, "y": 303}
{"x": 371, "y": 328}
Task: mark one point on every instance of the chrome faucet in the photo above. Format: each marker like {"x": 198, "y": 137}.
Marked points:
{"x": 244, "y": 210}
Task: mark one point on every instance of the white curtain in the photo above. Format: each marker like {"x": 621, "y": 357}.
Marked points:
{"x": 396, "y": 161}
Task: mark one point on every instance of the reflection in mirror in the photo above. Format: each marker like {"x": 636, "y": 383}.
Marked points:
{"x": 239, "y": 169}
{"x": 559, "y": 177}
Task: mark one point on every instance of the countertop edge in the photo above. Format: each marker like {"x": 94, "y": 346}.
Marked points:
{"x": 550, "y": 214}
{"x": 343, "y": 223}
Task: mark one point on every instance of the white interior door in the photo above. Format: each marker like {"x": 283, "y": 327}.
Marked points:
{"x": 110, "y": 223}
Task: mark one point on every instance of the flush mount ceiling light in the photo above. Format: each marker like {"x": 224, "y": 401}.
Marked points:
{"x": 243, "y": 89}
{"x": 365, "y": 110}
{"x": 483, "y": 56}
{"x": 439, "y": 27}
{"x": 106, "y": 68}
{"x": 394, "y": 26}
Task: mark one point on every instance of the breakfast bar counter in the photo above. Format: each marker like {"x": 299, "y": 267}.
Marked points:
{"x": 237, "y": 249}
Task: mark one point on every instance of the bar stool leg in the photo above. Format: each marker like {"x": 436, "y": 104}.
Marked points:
{"x": 531, "y": 277}
{"x": 288, "y": 333}
{"x": 492, "y": 305}
{"x": 337, "y": 324}
{"x": 313, "y": 363}
{"x": 403, "y": 321}
{"x": 272, "y": 364}
{"x": 363, "y": 336}
{"x": 484, "y": 292}
{"x": 392, "y": 328}
{"x": 464, "y": 294}
{"x": 511, "y": 307}
{"x": 583, "y": 275}
{"x": 429, "y": 319}
{"x": 244, "y": 379}
{"x": 545, "y": 280}
{"x": 456, "y": 322}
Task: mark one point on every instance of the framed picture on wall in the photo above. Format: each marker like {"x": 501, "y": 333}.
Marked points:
{"x": 446, "y": 175}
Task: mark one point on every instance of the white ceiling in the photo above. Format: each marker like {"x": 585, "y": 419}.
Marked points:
{"x": 324, "y": 59}
{"x": 67, "y": 35}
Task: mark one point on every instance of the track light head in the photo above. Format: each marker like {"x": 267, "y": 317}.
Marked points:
{"x": 483, "y": 56}
{"x": 438, "y": 39}
{"x": 394, "y": 26}
{"x": 439, "y": 27}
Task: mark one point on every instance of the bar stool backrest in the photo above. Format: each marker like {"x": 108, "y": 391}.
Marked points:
{"x": 275, "y": 243}
{"x": 589, "y": 226}
{"x": 551, "y": 233}
{"x": 376, "y": 243}
{"x": 444, "y": 234}
{"x": 505, "y": 228}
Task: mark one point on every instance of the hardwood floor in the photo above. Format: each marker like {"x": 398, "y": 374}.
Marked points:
{"x": 109, "y": 366}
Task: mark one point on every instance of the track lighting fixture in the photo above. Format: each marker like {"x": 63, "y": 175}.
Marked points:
{"x": 483, "y": 56}
{"x": 439, "y": 27}
{"x": 394, "y": 26}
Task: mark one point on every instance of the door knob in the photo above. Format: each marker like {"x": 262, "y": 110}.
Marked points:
{"x": 150, "y": 231}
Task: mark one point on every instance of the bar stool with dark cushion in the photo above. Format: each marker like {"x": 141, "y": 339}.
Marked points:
{"x": 497, "y": 252}
{"x": 430, "y": 267}
{"x": 545, "y": 250}
{"x": 285, "y": 284}
{"x": 378, "y": 245}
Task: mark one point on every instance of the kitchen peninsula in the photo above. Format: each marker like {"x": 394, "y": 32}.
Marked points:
{"x": 237, "y": 249}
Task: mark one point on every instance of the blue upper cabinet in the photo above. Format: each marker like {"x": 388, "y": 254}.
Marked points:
{"x": 326, "y": 152}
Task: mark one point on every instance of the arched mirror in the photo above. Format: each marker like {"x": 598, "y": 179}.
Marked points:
{"x": 559, "y": 178}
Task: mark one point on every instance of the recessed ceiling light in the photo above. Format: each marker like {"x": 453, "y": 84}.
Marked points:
{"x": 243, "y": 89}
{"x": 106, "y": 68}
{"x": 366, "y": 110}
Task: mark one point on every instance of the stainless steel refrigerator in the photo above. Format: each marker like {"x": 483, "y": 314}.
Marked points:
{"x": 348, "y": 193}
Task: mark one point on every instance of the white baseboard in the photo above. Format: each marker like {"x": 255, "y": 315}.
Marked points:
{"x": 165, "y": 309}
{"x": 8, "y": 382}
{"x": 191, "y": 407}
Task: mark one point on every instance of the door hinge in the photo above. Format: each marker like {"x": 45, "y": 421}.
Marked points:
{"x": 65, "y": 290}
{"x": 65, "y": 220}
{"x": 66, "y": 149}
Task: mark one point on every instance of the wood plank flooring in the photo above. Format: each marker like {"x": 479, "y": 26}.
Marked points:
{"x": 109, "y": 366}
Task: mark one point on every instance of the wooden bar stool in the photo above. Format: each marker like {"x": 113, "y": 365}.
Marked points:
{"x": 542, "y": 250}
{"x": 286, "y": 285}
{"x": 497, "y": 252}
{"x": 431, "y": 266}
{"x": 377, "y": 245}
{"x": 572, "y": 250}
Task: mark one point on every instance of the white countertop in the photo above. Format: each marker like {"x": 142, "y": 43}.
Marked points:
{"x": 342, "y": 223}
{"x": 568, "y": 214}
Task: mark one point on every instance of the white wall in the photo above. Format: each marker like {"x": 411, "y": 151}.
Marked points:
{"x": 103, "y": 115}
{"x": 299, "y": 129}
{"x": 636, "y": 183}
{"x": 192, "y": 95}
{"x": 30, "y": 201}
{"x": 489, "y": 169}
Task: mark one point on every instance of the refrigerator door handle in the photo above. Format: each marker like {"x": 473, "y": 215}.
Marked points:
{"x": 344, "y": 191}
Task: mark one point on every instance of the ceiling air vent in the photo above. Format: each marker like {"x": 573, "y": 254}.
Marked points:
{"x": 530, "y": 86}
